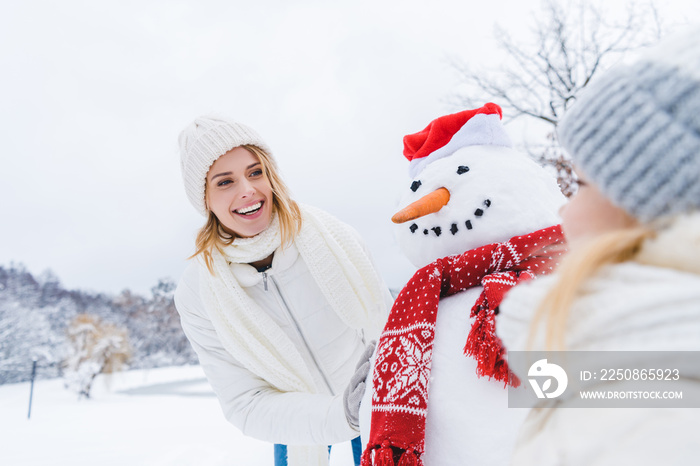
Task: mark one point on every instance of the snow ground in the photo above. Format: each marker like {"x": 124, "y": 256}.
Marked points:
{"x": 157, "y": 417}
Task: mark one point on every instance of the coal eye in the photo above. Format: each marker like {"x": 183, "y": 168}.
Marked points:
{"x": 415, "y": 185}
{"x": 462, "y": 169}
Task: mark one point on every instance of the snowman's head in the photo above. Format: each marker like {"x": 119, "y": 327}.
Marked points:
{"x": 478, "y": 195}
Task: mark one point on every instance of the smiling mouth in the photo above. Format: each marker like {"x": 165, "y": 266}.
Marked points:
{"x": 454, "y": 228}
{"x": 250, "y": 210}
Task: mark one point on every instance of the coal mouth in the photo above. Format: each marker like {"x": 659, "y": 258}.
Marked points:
{"x": 455, "y": 227}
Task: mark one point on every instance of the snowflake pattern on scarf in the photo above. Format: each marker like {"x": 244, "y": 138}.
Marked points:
{"x": 404, "y": 354}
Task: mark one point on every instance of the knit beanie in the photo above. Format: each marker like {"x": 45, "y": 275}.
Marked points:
{"x": 635, "y": 133}
{"x": 202, "y": 142}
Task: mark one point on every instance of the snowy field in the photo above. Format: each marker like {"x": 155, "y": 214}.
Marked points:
{"x": 157, "y": 417}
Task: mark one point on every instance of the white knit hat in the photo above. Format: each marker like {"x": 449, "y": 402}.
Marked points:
{"x": 202, "y": 142}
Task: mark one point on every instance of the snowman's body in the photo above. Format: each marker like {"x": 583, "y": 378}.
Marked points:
{"x": 496, "y": 193}
{"x": 468, "y": 417}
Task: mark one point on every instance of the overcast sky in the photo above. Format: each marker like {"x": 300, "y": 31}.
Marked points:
{"x": 93, "y": 95}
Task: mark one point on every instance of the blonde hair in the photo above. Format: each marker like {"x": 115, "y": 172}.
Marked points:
{"x": 578, "y": 266}
{"x": 213, "y": 235}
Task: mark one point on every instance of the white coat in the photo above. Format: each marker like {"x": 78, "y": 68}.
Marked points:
{"x": 649, "y": 304}
{"x": 331, "y": 349}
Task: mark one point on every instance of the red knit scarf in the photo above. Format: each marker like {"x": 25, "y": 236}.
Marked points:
{"x": 404, "y": 353}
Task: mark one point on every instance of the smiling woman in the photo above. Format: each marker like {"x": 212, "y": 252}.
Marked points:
{"x": 280, "y": 301}
{"x": 238, "y": 193}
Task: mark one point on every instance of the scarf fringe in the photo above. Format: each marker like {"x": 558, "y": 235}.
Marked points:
{"x": 487, "y": 349}
{"x": 385, "y": 455}
{"x": 409, "y": 458}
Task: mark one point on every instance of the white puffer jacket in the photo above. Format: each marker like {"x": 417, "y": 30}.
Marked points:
{"x": 649, "y": 304}
{"x": 331, "y": 349}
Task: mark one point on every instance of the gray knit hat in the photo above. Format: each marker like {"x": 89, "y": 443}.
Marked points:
{"x": 202, "y": 142}
{"x": 635, "y": 132}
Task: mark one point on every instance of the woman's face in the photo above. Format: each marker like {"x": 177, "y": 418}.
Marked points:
{"x": 588, "y": 213}
{"x": 239, "y": 193}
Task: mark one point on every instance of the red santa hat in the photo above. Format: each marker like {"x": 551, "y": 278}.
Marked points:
{"x": 448, "y": 133}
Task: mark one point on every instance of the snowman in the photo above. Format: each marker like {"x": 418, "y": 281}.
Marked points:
{"x": 477, "y": 217}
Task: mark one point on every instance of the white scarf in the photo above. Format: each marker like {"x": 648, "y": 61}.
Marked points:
{"x": 340, "y": 266}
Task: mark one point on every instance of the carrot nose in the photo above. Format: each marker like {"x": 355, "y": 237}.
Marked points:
{"x": 427, "y": 204}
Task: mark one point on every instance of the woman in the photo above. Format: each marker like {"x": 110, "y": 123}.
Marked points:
{"x": 631, "y": 281}
{"x": 280, "y": 300}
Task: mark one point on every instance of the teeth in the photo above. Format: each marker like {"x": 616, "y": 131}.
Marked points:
{"x": 250, "y": 209}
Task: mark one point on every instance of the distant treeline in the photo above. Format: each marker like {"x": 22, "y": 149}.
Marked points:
{"x": 35, "y": 313}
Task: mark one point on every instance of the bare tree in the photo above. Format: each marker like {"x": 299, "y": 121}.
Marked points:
{"x": 571, "y": 43}
{"x": 96, "y": 347}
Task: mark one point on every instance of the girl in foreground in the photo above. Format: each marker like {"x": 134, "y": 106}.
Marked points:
{"x": 631, "y": 281}
{"x": 280, "y": 301}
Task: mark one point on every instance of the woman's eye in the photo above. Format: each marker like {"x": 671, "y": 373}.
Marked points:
{"x": 224, "y": 182}
{"x": 256, "y": 173}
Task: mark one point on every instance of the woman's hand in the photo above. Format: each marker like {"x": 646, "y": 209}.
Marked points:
{"x": 356, "y": 388}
